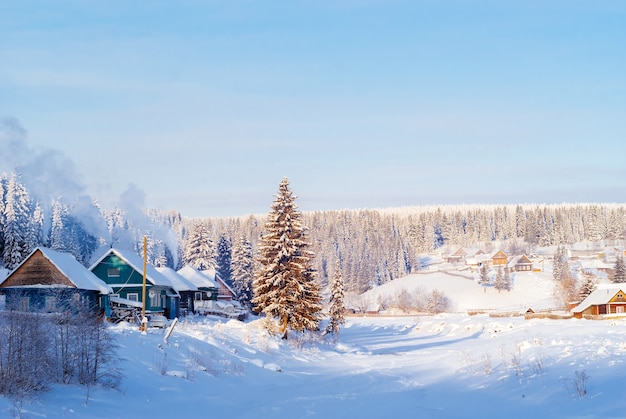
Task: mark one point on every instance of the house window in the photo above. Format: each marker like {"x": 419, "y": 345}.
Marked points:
{"x": 198, "y": 296}
{"x": 619, "y": 309}
{"x": 50, "y": 303}
{"x": 113, "y": 272}
{"x": 132, "y": 296}
{"x": 155, "y": 298}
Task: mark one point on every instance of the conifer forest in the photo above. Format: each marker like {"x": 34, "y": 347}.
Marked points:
{"x": 369, "y": 246}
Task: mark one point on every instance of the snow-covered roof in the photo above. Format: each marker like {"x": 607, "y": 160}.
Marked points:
{"x": 136, "y": 262}
{"x": 76, "y": 273}
{"x": 199, "y": 279}
{"x": 179, "y": 282}
{"x": 597, "y": 297}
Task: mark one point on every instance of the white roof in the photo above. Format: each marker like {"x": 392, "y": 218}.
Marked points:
{"x": 598, "y": 296}
{"x": 179, "y": 282}
{"x": 199, "y": 279}
{"x": 136, "y": 262}
{"x": 76, "y": 273}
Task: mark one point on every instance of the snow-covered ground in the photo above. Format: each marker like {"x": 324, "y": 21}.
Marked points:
{"x": 444, "y": 366}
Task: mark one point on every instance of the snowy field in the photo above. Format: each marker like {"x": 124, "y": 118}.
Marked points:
{"x": 444, "y": 366}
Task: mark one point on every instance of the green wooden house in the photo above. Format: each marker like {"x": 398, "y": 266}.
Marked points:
{"x": 122, "y": 270}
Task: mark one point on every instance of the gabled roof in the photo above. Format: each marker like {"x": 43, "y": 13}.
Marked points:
{"x": 197, "y": 278}
{"x": 460, "y": 252}
{"x": 598, "y": 297}
{"x": 77, "y": 274}
{"x": 499, "y": 254}
{"x": 136, "y": 262}
{"x": 179, "y": 282}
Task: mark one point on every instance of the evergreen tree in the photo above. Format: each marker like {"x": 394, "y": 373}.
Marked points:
{"x": 224, "y": 255}
{"x": 336, "y": 311}
{"x": 587, "y": 287}
{"x": 483, "y": 280}
{"x": 19, "y": 233}
{"x": 285, "y": 286}
{"x": 499, "y": 282}
{"x": 619, "y": 270}
{"x": 507, "y": 279}
{"x": 242, "y": 267}
{"x": 199, "y": 249}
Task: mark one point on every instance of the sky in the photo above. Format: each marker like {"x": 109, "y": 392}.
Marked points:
{"x": 204, "y": 106}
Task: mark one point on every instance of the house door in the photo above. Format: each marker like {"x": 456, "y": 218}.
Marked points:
{"x": 602, "y": 309}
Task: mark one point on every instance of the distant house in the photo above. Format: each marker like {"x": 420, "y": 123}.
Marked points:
{"x": 459, "y": 255}
{"x": 522, "y": 264}
{"x": 50, "y": 282}
{"x": 499, "y": 259}
{"x": 122, "y": 270}
{"x": 602, "y": 302}
{"x": 204, "y": 298}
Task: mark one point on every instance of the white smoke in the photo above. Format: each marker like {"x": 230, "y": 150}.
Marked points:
{"x": 50, "y": 175}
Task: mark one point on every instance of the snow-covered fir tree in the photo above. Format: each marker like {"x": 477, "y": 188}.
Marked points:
{"x": 242, "y": 271}
{"x": 587, "y": 287}
{"x": 19, "y": 233}
{"x": 224, "y": 255}
{"x": 499, "y": 283}
{"x": 619, "y": 270}
{"x": 199, "y": 251}
{"x": 337, "y": 309}
{"x": 483, "y": 279}
{"x": 507, "y": 279}
{"x": 284, "y": 287}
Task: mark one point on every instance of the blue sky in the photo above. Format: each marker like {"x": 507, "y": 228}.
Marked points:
{"x": 204, "y": 106}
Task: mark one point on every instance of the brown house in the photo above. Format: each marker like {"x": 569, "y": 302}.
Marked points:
{"x": 50, "y": 281}
{"x": 499, "y": 259}
{"x": 523, "y": 264}
{"x": 602, "y": 302}
{"x": 457, "y": 256}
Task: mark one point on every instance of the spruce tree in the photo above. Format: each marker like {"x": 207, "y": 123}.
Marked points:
{"x": 336, "y": 310}
{"x": 499, "y": 282}
{"x": 483, "y": 280}
{"x": 224, "y": 255}
{"x": 242, "y": 271}
{"x": 199, "y": 249}
{"x": 19, "y": 232}
{"x": 587, "y": 287}
{"x": 507, "y": 279}
{"x": 619, "y": 270}
{"x": 285, "y": 287}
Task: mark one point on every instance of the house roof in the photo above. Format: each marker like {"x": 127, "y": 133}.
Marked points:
{"x": 499, "y": 254}
{"x": 597, "y": 297}
{"x": 197, "y": 278}
{"x": 136, "y": 262}
{"x": 179, "y": 282}
{"x": 77, "y": 274}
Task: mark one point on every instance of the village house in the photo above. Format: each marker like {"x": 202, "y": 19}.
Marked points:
{"x": 122, "y": 270}
{"x": 603, "y": 302}
{"x": 205, "y": 296}
{"x": 48, "y": 281}
{"x": 499, "y": 258}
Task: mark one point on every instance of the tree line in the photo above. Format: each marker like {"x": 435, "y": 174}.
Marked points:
{"x": 371, "y": 246}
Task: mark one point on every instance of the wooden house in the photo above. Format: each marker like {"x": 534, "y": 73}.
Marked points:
{"x": 602, "y": 302}
{"x": 50, "y": 282}
{"x": 459, "y": 255}
{"x": 122, "y": 270}
{"x": 185, "y": 288}
{"x": 206, "y": 290}
{"x": 522, "y": 264}
{"x": 499, "y": 259}
{"x": 225, "y": 292}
